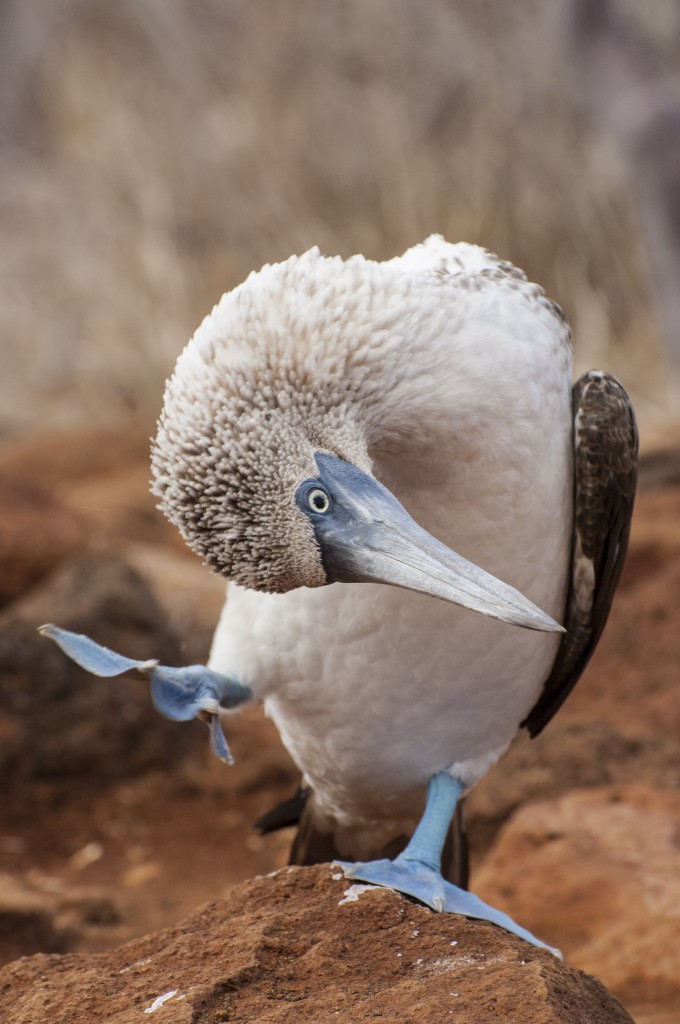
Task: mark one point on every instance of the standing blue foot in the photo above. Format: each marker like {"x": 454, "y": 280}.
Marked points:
{"x": 416, "y": 871}
{"x": 178, "y": 693}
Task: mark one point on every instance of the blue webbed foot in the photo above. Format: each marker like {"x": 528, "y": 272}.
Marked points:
{"x": 416, "y": 871}
{"x": 178, "y": 693}
{"x": 425, "y": 883}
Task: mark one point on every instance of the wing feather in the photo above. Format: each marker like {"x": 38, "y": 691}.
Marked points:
{"x": 605, "y": 477}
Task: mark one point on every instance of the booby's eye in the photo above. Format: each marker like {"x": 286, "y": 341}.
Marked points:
{"x": 318, "y": 500}
{"x": 313, "y": 498}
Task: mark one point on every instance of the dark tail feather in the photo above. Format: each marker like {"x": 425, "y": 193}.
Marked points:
{"x": 283, "y": 815}
{"x": 312, "y": 846}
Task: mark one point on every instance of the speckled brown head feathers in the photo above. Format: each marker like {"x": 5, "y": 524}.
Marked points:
{"x": 249, "y": 404}
{"x": 318, "y": 354}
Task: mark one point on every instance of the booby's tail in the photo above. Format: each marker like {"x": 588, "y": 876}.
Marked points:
{"x": 312, "y": 845}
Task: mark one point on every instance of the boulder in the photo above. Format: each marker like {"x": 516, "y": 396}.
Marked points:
{"x": 632, "y": 680}
{"x": 57, "y": 721}
{"x": 37, "y": 532}
{"x": 621, "y": 723}
{"x": 572, "y": 753}
{"x": 41, "y": 913}
{"x": 596, "y": 873}
{"x": 294, "y": 947}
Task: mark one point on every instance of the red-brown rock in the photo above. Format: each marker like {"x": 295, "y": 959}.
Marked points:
{"x": 596, "y": 874}
{"x": 286, "y": 949}
{"x": 37, "y": 531}
{"x": 40, "y": 913}
{"x": 57, "y": 721}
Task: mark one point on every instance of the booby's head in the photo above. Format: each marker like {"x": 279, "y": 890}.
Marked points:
{"x": 262, "y": 457}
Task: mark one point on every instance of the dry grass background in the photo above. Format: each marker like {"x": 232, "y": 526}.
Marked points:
{"x": 155, "y": 151}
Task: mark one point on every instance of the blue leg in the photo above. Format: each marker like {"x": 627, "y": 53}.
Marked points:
{"x": 178, "y": 693}
{"x": 417, "y": 870}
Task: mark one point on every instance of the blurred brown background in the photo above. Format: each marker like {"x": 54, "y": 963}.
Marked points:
{"x": 155, "y": 152}
{"x": 152, "y": 154}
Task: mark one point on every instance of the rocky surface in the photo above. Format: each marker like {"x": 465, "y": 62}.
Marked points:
{"x": 37, "y": 532}
{"x": 573, "y": 753}
{"x": 596, "y": 873}
{"x": 57, "y": 721}
{"x": 37, "y": 913}
{"x": 115, "y": 823}
{"x": 98, "y": 477}
{"x": 292, "y": 948}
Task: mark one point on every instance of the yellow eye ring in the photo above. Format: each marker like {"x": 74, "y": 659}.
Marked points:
{"x": 318, "y": 500}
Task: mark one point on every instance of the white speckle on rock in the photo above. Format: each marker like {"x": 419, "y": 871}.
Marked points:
{"x": 157, "y": 1003}
{"x": 354, "y": 892}
{"x": 447, "y": 963}
{"x": 137, "y": 963}
{"x": 454, "y": 963}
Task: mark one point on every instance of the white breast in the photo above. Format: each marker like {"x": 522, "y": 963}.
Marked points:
{"x": 373, "y": 688}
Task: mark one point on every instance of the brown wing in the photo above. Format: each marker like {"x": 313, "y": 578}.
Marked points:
{"x": 605, "y": 475}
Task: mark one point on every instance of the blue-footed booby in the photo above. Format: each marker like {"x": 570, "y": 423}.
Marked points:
{"x": 410, "y": 423}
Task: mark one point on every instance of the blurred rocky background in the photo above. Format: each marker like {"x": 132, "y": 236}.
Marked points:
{"x": 152, "y": 153}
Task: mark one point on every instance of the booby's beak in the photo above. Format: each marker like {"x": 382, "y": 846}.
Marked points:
{"x": 366, "y": 535}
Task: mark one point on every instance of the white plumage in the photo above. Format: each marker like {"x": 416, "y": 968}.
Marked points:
{"x": 403, "y": 423}
{"x": 447, "y": 376}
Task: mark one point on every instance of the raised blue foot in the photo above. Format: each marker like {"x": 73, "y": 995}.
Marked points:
{"x": 416, "y": 871}
{"x": 178, "y": 693}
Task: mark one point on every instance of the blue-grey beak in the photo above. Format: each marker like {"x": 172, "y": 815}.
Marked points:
{"x": 366, "y": 535}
